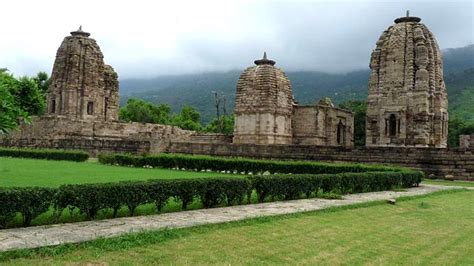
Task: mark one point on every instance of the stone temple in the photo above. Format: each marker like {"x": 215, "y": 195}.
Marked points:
{"x": 406, "y": 121}
{"x": 82, "y": 86}
{"x": 83, "y": 103}
{"x": 407, "y": 103}
{"x": 266, "y": 112}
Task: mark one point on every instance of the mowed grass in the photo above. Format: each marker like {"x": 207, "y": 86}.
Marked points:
{"x": 435, "y": 229}
{"x": 448, "y": 183}
{"x": 18, "y": 172}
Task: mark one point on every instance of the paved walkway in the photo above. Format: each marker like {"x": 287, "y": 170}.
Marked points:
{"x": 38, "y": 236}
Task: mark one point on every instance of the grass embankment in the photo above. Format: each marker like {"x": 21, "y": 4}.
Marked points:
{"x": 433, "y": 229}
{"x": 16, "y": 172}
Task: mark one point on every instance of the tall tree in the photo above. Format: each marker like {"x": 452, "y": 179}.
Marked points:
{"x": 10, "y": 113}
{"x": 456, "y": 128}
{"x": 223, "y": 124}
{"x": 137, "y": 110}
{"x": 188, "y": 118}
{"x": 42, "y": 80}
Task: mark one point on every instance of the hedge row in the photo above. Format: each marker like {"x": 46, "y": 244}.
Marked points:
{"x": 239, "y": 165}
{"x": 89, "y": 199}
{"x": 66, "y": 155}
{"x": 296, "y": 186}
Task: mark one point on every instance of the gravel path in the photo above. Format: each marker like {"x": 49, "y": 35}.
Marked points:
{"x": 38, "y": 236}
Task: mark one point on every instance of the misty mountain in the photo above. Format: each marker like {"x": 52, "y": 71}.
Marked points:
{"x": 308, "y": 86}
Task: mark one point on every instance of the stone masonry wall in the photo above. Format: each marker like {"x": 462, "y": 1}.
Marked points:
{"x": 95, "y": 136}
{"x": 437, "y": 163}
{"x": 323, "y": 125}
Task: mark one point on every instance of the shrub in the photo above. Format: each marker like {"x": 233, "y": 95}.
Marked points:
{"x": 65, "y": 155}
{"x": 238, "y": 164}
{"x": 296, "y": 186}
{"x": 29, "y": 201}
{"x": 89, "y": 199}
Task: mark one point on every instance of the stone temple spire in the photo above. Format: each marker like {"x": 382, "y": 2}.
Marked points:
{"x": 407, "y": 99}
{"x": 82, "y": 85}
{"x": 263, "y": 105}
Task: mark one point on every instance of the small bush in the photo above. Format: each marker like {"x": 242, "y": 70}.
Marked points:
{"x": 89, "y": 199}
{"x": 296, "y": 186}
{"x": 239, "y": 165}
{"x": 65, "y": 155}
{"x": 29, "y": 201}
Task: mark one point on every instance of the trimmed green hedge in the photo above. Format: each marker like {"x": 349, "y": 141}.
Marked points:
{"x": 296, "y": 186}
{"x": 89, "y": 199}
{"x": 239, "y": 165}
{"x": 65, "y": 155}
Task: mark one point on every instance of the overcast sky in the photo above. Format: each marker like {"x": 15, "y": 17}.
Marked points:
{"x": 150, "y": 38}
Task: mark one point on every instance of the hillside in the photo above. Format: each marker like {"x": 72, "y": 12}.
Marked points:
{"x": 308, "y": 86}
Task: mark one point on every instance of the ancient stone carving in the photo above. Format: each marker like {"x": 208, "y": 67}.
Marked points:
{"x": 266, "y": 113}
{"x": 263, "y": 105}
{"x": 407, "y": 103}
{"x": 82, "y": 86}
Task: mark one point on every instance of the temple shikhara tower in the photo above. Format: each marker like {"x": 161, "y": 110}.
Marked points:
{"x": 82, "y": 86}
{"x": 266, "y": 112}
{"x": 263, "y": 105}
{"x": 407, "y": 102}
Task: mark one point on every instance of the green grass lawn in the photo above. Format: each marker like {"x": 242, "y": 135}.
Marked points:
{"x": 435, "y": 229}
{"x": 448, "y": 183}
{"x": 32, "y": 172}
{"x": 18, "y": 172}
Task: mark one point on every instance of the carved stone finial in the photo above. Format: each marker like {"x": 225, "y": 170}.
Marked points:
{"x": 264, "y": 60}
{"x": 80, "y": 32}
{"x": 407, "y": 18}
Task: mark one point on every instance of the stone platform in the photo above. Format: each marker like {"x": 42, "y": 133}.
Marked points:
{"x": 50, "y": 235}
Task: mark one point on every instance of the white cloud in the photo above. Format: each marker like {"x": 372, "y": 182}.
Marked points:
{"x": 148, "y": 38}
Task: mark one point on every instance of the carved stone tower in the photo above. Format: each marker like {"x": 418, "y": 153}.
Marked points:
{"x": 82, "y": 86}
{"x": 407, "y": 102}
{"x": 263, "y": 105}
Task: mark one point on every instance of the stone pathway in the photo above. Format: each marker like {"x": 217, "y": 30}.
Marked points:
{"x": 38, "y": 236}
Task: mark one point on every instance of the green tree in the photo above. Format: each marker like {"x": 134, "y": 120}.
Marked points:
{"x": 29, "y": 96}
{"x": 458, "y": 127}
{"x": 359, "y": 108}
{"x": 43, "y": 81}
{"x": 26, "y": 94}
{"x": 224, "y": 125}
{"x": 10, "y": 113}
{"x": 137, "y": 110}
{"x": 188, "y": 118}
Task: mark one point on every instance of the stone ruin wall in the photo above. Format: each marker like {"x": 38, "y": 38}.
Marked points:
{"x": 323, "y": 125}
{"x": 95, "y": 136}
{"x": 435, "y": 162}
